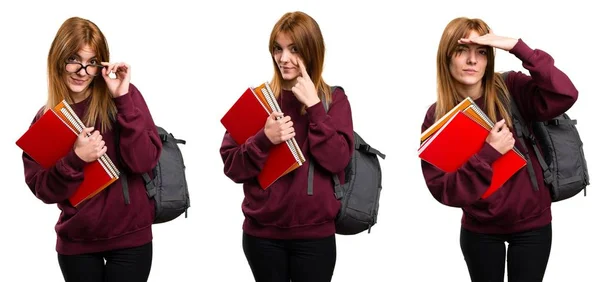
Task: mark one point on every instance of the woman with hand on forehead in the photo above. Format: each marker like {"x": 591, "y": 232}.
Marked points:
{"x": 115, "y": 225}
{"x": 288, "y": 232}
{"x": 518, "y": 213}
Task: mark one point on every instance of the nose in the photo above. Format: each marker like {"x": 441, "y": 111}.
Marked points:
{"x": 285, "y": 56}
{"x": 472, "y": 58}
{"x": 81, "y": 72}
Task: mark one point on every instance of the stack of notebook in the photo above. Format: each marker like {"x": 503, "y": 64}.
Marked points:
{"x": 52, "y": 137}
{"x": 247, "y": 117}
{"x": 457, "y": 136}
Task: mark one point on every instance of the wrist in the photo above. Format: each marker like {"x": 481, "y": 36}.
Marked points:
{"x": 313, "y": 102}
{"x": 512, "y": 44}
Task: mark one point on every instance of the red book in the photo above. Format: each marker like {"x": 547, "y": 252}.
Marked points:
{"x": 458, "y": 140}
{"x": 51, "y": 138}
{"x": 246, "y": 117}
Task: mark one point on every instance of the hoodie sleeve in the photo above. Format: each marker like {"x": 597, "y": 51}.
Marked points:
{"x": 243, "y": 162}
{"x": 331, "y": 133}
{"x": 547, "y": 93}
{"x": 139, "y": 143}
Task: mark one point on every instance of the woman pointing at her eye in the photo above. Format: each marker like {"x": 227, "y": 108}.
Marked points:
{"x": 289, "y": 233}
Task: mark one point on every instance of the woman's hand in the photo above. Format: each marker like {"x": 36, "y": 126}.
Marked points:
{"x": 119, "y": 85}
{"x": 305, "y": 90}
{"x": 89, "y": 148}
{"x": 490, "y": 39}
{"x": 501, "y": 138}
{"x": 279, "y": 128}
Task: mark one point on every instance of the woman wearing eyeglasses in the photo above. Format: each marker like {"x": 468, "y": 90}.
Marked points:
{"x": 115, "y": 224}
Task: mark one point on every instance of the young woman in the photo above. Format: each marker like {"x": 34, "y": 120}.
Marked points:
{"x": 516, "y": 213}
{"x": 114, "y": 225}
{"x": 289, "y": 234}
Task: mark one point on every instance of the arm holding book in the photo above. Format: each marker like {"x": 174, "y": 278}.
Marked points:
{"x": 57, "y": 183}
{"x": 244, "y": 161}
{"x": 466, "y": 185}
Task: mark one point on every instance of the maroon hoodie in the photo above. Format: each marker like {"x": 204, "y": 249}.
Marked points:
{"x": 104, "y": 222}
{"x": 285, "y": 210}
{"x": 516, "y": 206}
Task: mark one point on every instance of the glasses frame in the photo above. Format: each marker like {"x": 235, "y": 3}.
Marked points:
{"x": 81, "y": 66}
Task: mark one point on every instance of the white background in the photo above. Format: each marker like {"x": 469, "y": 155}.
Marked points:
{"x": 384, "y": 57}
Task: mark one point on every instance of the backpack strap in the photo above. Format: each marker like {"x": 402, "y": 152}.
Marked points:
{"x": 339, "y": 193}
{"x": 122, "y": 174}
{"x": 523, "y": 133}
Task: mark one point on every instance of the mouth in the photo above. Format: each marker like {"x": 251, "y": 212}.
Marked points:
{"x": 470, "y": 71}
{"x": 78, "y": 81}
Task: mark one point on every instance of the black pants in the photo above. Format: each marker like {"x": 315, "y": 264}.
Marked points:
{"x": 298, "y": 260}
{"x": 528, "y": 254}
{"x": 130, "y": 265}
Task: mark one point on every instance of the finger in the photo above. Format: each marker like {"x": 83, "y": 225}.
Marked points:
{"x": 290, "y": 130}
{"x": 276, "y": 115}
{"x": 115, "y": 68}
{"x": 498, "y": 126}
{"x": 122, "y": 67}
{"x": 302, "y": 68}
{"x": 86, "y": 131}
{"x": 286, "y": 130}
{"x": 288, "y": 136}
{"x": 104, "y": 72}
{"x": 284, "y": 120}
{"x": 296, "y": 89}
{"x": 102, "y": 152}
{"x": 101, "y": 144}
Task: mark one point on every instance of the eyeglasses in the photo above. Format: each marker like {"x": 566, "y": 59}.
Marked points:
{"x": 92, "y": 70}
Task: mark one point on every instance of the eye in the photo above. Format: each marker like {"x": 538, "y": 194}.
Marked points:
{"x": 72, "y": 59}
{"x": 460, "y": 49}
{"x": 276, "y": 49}
{"x": 294, "y": 49}
{"x": 483, "y": 52}
{"x": 93, "y": 62}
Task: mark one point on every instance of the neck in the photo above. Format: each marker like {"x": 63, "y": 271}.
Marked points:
{"x": 474, "y": 91}
{"x": 288, "y": 84}
{"x": 80, "y": 96}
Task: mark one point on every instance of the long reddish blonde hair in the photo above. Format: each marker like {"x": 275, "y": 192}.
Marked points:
{"x": 306, "y": 36}
{"x": 74, "y": 34}
{"x": 495, "y": 90}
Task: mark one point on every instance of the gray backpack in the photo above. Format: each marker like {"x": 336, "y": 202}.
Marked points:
{"x": 169, "y": 187}
{"x": 359, "y": 195}
{"x": 561, "y": 157}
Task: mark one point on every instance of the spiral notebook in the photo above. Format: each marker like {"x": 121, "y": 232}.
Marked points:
{"x": 52, "y": 137}
{"x": 246, "y": 117}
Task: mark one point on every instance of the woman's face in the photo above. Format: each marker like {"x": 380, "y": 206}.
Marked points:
{"x": 286, "y": 56}
{"x": 468, "y": 65}
{"x": 80, "y": 70}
